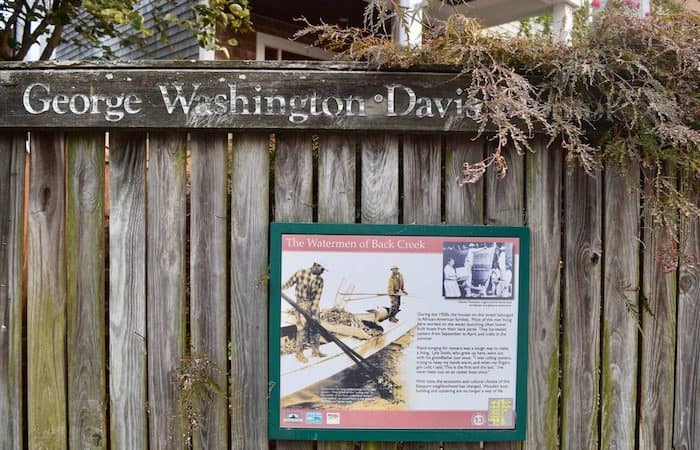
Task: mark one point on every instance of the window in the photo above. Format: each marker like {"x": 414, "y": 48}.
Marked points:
{"x": 275, "y": 48}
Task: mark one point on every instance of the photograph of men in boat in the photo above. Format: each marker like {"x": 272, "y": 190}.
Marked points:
{"x": 477, "y": 270}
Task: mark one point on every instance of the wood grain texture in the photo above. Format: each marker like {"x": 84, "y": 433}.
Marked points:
{"x": 505, "y": 198}
{"x": 686, "y": 432}
{"x": 581, "y": 316}
{"x": 11, "y": 284}
{"x": 380, "y": 179}
{"x": 85, "y": 270}
{"x": 543, "y": 194}
{"x": 276, "y": 99}
{"x": 165, "y": 286}
{"x": 293, "y": 202}
{"x": 463, "y": 204}
{"x": 620, "y": 304}
{"x": 380, "y": 199}
{"x": 293, "y": 178}
{"x": 127, "y": 292}
{"x": 658, "y": 346}
{"x": 336, "y": 178}
{"x": 249, "y": 273}
{"x": 422, "y": 168}
{"x": 208, "y": 278}
{"x": 46, "y": 295}
{"x": 336, "y": 203}
{"x": 505, "y": 205}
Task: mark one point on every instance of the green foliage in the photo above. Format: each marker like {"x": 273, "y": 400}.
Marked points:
{"x": 624, "y": 94}
{"x": 95, "y": 20}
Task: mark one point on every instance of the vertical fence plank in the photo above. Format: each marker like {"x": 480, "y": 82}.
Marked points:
{"x": 658, "y": 353}
{"x": 127, "y": 291}
{"x": 249, "y": 271}
{"x": 463, "y": 204}
{"x": 165, "y": 285}
{"x": 422, "y": 167}
{"x": 505, "y": 203}
{"x": 621, "y": 282}
{"x": 293, "y": 178}
{"x": 87, "y": 403}
{"x": 544, "y": 172}
{"x": 581, "y": 311}
{"x": 11, "y": 252}
{"x": 293, "y": 202}
{"x": 686, "y": 433}
{"x": 336, "y": 179}
{"x": 379, "y": 197}
{"x": 380, "y": 179}
{"x": 46, "y": 295}
{"x": 208, "y": 281}
{"x": 336, "y": 202}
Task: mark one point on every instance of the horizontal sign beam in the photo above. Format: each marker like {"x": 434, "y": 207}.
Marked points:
{"x": 234, "y": 98}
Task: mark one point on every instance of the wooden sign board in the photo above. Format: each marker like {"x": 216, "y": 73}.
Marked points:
{"x": 235, "y": 97}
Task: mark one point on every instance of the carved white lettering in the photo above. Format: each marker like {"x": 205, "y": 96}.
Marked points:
{"x": 44, "y": 102}
{"x": 297, "y": 104}
{"x": 391, "y": 100}
{"x": 442, "y": 109}
{"x": 130, "y": 100}
{"x": 81, "y": 108}
{"x": 425, "y": 107}
{"x": 171, "y": 104}
{"x": 327, "y": 109}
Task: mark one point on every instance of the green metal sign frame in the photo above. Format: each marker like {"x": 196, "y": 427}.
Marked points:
{"x": 279, "y": 431}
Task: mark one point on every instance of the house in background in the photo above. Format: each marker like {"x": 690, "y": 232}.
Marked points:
{"x": 274, "y": 23}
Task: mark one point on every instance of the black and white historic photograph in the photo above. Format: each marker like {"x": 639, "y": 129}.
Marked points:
{"x": 477, "y": 270}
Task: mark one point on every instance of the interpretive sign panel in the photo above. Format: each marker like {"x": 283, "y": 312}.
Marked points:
{"x": 403, "y": 332}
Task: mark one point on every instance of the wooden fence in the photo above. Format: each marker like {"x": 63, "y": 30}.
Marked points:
{"x": 112, "y": 274}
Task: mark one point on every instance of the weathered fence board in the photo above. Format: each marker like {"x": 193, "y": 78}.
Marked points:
{"x": 380, "y": 179}
{"x": 11, "y": 306}
{"x": 581, "y": 305}
{"x": 544, "y": 178}
{"x": 85, "y": 269}
{"x": 620, "y": 307}
{"x": 658, "y": 338}
{"x": 293, "y": 178}
{"x": 686, "y": 431}
{"x": 250, "y": 195}
{"x": 336, "y": 178}
{"x": 46, "y": 295}
{"x": 336, "y": 202}
{"x": 422, "y": 171}
{"x": 208, "y": 309}
{"x": 127, "y": 291}
{"x": 165, "y": 286}
{"x": 379, "y": 198}
{"x": 293, "y": 202}
{"x": 505, "y": 205}
{"x": 463, "y": 204}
